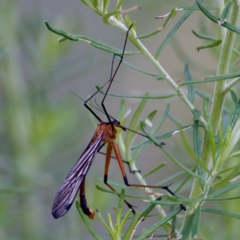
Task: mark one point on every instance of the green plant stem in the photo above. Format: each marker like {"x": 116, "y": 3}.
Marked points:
{"x": 229, "y": 85}
{"x": 167, "y": 227}
{"x": 137, "y": 43}
{"x": 217, "y": 106}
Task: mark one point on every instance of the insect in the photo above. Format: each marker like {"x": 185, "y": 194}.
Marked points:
{"x": 104, "y": 134}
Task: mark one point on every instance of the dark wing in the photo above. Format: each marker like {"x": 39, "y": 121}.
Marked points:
{"x": 68, "y": 191}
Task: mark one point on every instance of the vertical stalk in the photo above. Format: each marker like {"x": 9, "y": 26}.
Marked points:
{"x": 217, "y": 106}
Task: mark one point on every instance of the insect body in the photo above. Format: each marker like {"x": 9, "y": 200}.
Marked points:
{"x": 75, "y": 179}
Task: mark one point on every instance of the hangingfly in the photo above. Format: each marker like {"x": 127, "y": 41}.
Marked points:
{"x": 76, "y": 177}
{"x": 104, "y": 134}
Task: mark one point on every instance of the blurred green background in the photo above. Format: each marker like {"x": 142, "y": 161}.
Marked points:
{"x": 45, "y": 128}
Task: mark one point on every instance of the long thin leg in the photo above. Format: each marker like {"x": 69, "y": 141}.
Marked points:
{"x": 130, "y": 170}
{"x": 113, "y": 76}
{"x": 114, "y": 55}
{"x": 83, "y": 202}
{"x": 107, "y": 163}
{"x": 128, "y": 164}
{"x": 110, "y": 80}
{"x": 121, "y": 166}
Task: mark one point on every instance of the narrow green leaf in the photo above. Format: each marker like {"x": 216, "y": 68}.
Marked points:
{"x": 161, "y": 121}
{"x": 119, "y": 4}
{"x": 235, "y": 115}
{"x": 189, "y": 171}
{"x": 204, "y": 95}
{"x": 221, "y": 212}
{"x": 159, "y": 138}
{"x": 187, "y": 227}
{"x": 130, "y": 230}
{"x": 183, "y": 183}
{"x": 111, "y": 223}
{"x": 216, "y": 20}
{"x": 210, "y": 45}
{"x": 197, "y": 8}
{"x": 228, "y": 169}
{"x": 148, "y": 120}
{"x": 157, "y": 225}
{"x": 235, "y": 154}
{"x": 148, "y": 209}
{"x": 226, "y": 10}
{"x": 191, "y": 88}
{"x": 192, "y": 153}
{"x": 88, "y": 3}
{"x": 108, "y": 48}
{"x": 155, "y": 169}
{"x": 222, "y": 77}
{"x": 111, "y": 234}
{"x": 136, "y": 68}
{"x": 236, "y": 52}
{"x": 116, "y": 193}
{"x": 132, "y": 125}
{"x": 96, "y": 3}
{"x": 196, "y": 222}
{"x": 150, "y": 34}
{"x": 197, "y": 148}
{"x": 106, "y": 5}
{"x": 228, "y": 177}
{"x": 87, "y": 222}
{"x": 223, "y": 190}
{"x": 210, "y": 130}
{"x": 124, "y": 220}
{"x": 174, "y": 226}
{"x": 140, "y": 97}
{"x": 221, "y": 145}
{"x": 92, "y": 6}
{"x": 170, "y": 179}
{"x": 234, "y": 97}
{"x": 108, "y": 15}
{"x": 171, "y": 157}
{"x": 91, "y": 41}
{"x": 168, "y": 203}
{"x": 173, "y": 31}
{"x": 61, "y": 33}
{"x": 222, "y": 199}
{"x": 129, "y": 22}
{"x": 213, "y": 78}
{"x": 171, "y": 15}
{"x": 151, "y": 115}
{"x": 120, "y": 207}
{"x": 173, "y": 200}
{"x": 122, "y": 112}
{"x": 202, "y": 36}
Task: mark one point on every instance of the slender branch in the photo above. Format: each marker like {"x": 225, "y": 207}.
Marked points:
{"x": 217, "y": 106}
{"x": 133, "y": 38}
{"x": 229, "y": 85}
{"x": 162, "y": 213}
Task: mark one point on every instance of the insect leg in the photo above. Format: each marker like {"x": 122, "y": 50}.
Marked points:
{"x": 107, "y": 163}
{"x": 114, "y": 74}
{"x": 121, "y": 166}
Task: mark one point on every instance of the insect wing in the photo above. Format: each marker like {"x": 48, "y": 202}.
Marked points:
{"x": 68, "y": 190}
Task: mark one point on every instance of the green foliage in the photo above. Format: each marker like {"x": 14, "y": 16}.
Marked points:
{"x": 213, "y": 147}
{"x": 35, "y": 127}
